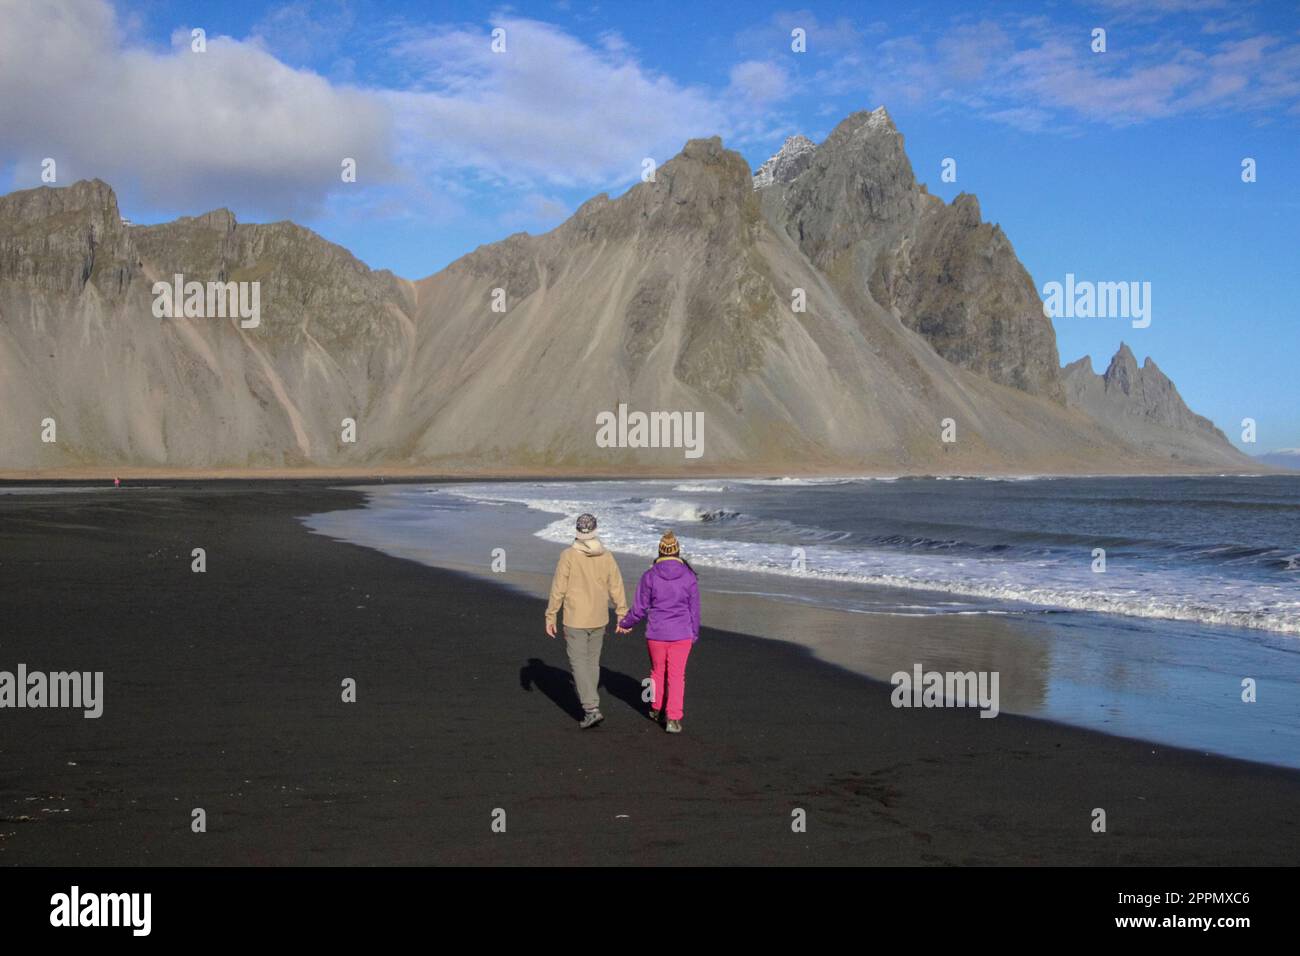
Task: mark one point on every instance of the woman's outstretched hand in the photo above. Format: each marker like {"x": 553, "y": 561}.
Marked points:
{"x": 622, "y": 630}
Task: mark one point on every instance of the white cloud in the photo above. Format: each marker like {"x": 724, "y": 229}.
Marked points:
{"x": 549, "y": 109}
{"x": 232, "y": 125}
{"x": 237, "y": 126}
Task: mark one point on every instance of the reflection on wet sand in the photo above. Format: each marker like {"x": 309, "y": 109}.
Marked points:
{"x": 878, "y": 645}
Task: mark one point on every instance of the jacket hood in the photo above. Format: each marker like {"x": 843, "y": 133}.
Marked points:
{"x": 591, "y": 547}
{"x": 669, "y": 569}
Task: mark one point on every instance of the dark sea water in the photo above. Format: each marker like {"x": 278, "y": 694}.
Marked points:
{"x": 1210, "y": 550}
{"x": 1200, "y": 587}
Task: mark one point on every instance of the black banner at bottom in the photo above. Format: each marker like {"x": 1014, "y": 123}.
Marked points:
{"x": 330, "y": 906}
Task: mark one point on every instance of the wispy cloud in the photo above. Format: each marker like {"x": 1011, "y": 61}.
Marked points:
{"x": 550, "y": 108}
{"x": 1037, "y": 73}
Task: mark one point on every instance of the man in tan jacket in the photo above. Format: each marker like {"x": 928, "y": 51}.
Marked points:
{"x": 586, "y": 580}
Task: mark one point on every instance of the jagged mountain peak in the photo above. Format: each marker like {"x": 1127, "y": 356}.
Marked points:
{"x": 1123, "y": 356}
{"x": 85, "y": 195}
{"x": 797, "y": 142}
{"x": 707, "y": 158}
{"x": 848, "y": 138}
{"x": 868, "y": 121}
{"x": 866, "y": 128}
{"x": 856, "y": 187}
{"x": 61, "y": 238}
{"x": 703, "y": 192}
{"x": 787, "y": 163}
{"x": 968, "y": 206}
{"x": 1122, "y": 372}
{"x": 704, "y": 176}
{"x": 1141, "y": 406}
{"x": 857, "y": 212}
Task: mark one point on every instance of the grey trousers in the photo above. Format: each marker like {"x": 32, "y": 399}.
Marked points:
{"x": 583, "y": 645}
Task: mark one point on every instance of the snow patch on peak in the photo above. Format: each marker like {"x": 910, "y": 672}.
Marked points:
{"x": 879, "y": 118}
{"x": 788, "y": 162}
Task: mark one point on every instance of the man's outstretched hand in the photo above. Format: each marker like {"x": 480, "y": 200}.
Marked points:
{"x": 550, "y": 629}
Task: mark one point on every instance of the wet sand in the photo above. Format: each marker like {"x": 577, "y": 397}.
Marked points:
{"x": 222, "y": 691}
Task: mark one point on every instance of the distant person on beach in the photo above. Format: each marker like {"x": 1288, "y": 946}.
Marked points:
{"x": 669, "y": 595}
{"x": 586, "y": 582}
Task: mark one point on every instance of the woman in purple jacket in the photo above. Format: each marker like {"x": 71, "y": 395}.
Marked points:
{"x": 670, "y": 595}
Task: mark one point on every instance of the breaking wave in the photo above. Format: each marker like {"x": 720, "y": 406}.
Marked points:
{"x": 751, "y": 525}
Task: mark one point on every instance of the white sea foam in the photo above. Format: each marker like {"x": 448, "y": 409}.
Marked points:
{"x": 796, "y": 481}
{"x": 633, "y": 525}
{"x": 668, "y": 509}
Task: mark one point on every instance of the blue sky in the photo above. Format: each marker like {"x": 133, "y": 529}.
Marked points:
{"x": 1119, "y": 165}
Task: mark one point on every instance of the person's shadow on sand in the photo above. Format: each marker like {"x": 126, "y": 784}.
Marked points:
{"x": 557, "y": 684}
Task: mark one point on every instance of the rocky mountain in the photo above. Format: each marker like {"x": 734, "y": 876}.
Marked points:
{"x": 857, "y": 212}
{"x": 788, "y": 162}
{"x": 1140, "y": 406}
{"x": 825, "y": 314}
{"x": 79, "y": 343}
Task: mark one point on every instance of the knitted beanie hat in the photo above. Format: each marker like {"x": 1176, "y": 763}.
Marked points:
{"x": 668, "y": 546}
{"x": 586, "y": 523}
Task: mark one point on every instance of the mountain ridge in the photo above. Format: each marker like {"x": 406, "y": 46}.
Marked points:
{"x": 676, "y": 295}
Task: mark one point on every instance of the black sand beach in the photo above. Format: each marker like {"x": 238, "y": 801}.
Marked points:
{"x": 222, "y": 691}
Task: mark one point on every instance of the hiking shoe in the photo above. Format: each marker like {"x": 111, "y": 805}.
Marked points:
{"x": 653, "y": 715}
{"x": 674, "y": 727}
{"x": 590, "y": 719}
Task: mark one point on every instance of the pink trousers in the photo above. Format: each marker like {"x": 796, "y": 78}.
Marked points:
{"x": 668, "y": 659}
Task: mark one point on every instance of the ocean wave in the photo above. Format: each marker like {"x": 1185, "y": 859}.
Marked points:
{"x": 798, "y": 482}
{"x": 1014, "y": 586}
{"x": 1272, "y": 615}
{"x": 1233, "y": 585}
{"x": 671, "y": 509}
{"x": 668, "y": 509}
